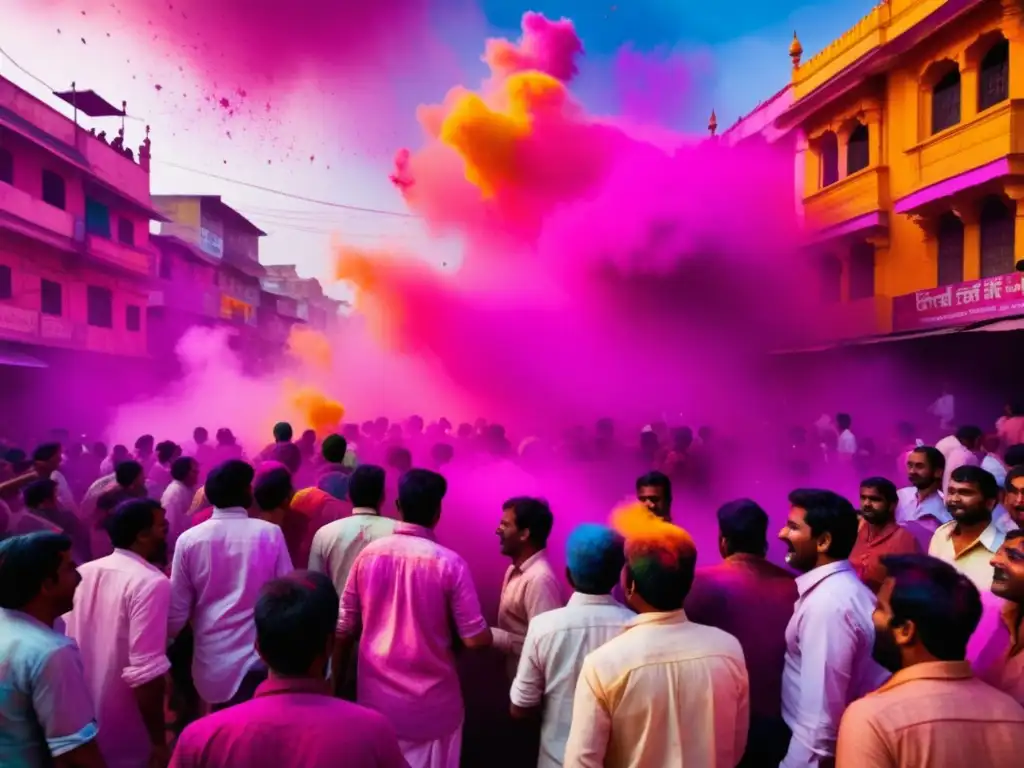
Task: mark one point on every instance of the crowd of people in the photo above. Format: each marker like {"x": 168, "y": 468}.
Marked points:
{"x": 191, "y": 606}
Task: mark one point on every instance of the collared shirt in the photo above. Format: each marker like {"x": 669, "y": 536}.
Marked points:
{"x": 929, "y": 512}
{"x": 552, "y": 657}
{"x": 1002, "y": 520}
{"x": 666, "y": 692}
{"x": 996, "y": 650}
{"x": 45, "y": 706}
{"x": 934, "y": 714}
{"x": 65, "y": 498}
{"x": 873, "y": 544}
{"x": 528, "y": 590}
{"x": 120, "y": 624}
{"x": 411, "y": 596}
{"x": 752, "y": 600}
{"x": 176, "y": 500}
{"x": 975, "y": 561}
{"x": 92, "y": 497}
{"x": 290, "y": 724}
{"x": 995, "y": 467}
{"x": 337, "y": 545}
{"x": 828, "y": 659}
{"x": 219, "y": 568}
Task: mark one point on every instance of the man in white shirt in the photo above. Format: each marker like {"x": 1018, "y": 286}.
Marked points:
{"x": 119, "y": 621}
{"x": 158, "y": 477}
{"x": 846, "y": 444}
{"x": 830, "y": 638}
{"x": 337, "y": 545}
{"x": 47, "y": 459}
{"x": 967, "y": 451}
{"x": 177, "y": 499}
{"x": 218, "y": 570}
{"x": 558, "y": 641}
{"x": 922, "y": 507}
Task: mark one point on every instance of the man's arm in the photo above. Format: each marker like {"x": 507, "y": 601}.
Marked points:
{"x": 527, "y": 692}
{"x": 284, "y": 560}
{"x": 147, "y": 656}
{"x": 182, "y": 594}
{"x": 64, "y": 708}
{"x": 465, "y": 610}
{"x": 317, "y": 562}
{"x": 350, "y": 622}
{"x": 591, "y": 722}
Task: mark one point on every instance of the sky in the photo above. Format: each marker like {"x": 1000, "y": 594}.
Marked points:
{"x": 311, "y": 137}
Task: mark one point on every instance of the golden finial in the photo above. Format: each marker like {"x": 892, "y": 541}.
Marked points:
{"x": 713, "y": 123}
{"x": 795, "y": 50}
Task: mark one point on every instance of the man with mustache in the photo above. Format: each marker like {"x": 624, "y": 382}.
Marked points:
{"x": 879, "y": 534}
{"x": 932, "y": 711}
{"x": 1013, "y": 499}
{"x": 119, "y": 621}
{"x": 971, "y": 538}
{"x": 996, "y": 652}
{"x": 922, "y": 508}
{"x": 828, "y": 641}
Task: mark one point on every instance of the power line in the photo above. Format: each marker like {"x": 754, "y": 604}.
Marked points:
{"x": 24, "y": 71}
{"x": 292, "y": 195}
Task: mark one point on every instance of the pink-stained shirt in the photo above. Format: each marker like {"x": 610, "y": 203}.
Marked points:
{"x": 119, "y": 621}
{"x": 290, "y": 724}
{"x": 410, "y": 595}
{"x": 529, "y": 590}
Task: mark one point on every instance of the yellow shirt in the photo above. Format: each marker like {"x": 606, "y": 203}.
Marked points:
{"x": 975, "y": 562}
{"x": 667, "y": 692}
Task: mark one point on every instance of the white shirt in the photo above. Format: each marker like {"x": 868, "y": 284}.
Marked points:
{"x": 157, "y": 480}
{"x": 959, "y": 456}
{"x": 556, "y": 644}
{"x": 994, "y": 466}
{"x": 847, "y": 443}
{"x": 929, "y": 513}
{"x": 119, "y": 621}
{"x": 219, "y": 568}
{"x": 65, "y": 498}
{"x": 92, "y": 496}
{"x": 337, "y": 545}
{"x": 176, "y": 501}
{"x": 828, "y": 659}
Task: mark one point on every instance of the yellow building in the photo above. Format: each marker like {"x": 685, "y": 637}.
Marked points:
{"x": 910, "y": 146}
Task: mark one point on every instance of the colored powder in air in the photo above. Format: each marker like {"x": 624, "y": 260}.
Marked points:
{"x": 647, "y": 535}
{"x": 318, "y": 412}
{"x": 310, "y": 347}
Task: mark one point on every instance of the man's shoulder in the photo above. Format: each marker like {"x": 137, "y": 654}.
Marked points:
{"x": 571, "y": 617}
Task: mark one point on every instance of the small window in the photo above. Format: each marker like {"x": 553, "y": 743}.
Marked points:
{"x": 6, "y": 166}
{"x": 5, "y": 282}
{"x": 166, "y": 269}
{"x": 994, "y": 79}
{"x": 996, "y": 224}
{"x": 857, "y": 150}
{"x": 97, "y": 218}
{"x": 133, "y": 318}
{"x": 100, "y": 310}
{"x": 54, "y": 191}
{"x": 829, "y": 159}
{"x": 946, "y": 102}
{"x": 950, "y": 250}
{"x": 862, "y": 271}
{"x": 126, "y": 231}
{"x": 52, "y": 301}
{"x": 830, "y": 277}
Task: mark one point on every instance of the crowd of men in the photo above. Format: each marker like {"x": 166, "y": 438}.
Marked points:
{"x": 151, "y": 612}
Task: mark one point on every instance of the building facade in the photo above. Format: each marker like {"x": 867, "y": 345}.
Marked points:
{"x": 312, "y": 305}
{"x": 909, "y": 133}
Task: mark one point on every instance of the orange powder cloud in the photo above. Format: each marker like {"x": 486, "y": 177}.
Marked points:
{"x": 647, "y": 533}
{"x": 310, "y": 347}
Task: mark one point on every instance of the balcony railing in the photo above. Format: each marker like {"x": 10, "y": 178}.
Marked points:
{"x": 30, "y": 209}
{"x": 119, "y": 255}
{"x": 859, "y": 194}
{"x": 29, "y": 325}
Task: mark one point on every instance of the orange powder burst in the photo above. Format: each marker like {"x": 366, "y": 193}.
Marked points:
{"x": 647, "y": 533}
{"x": 375, "y": 299}
{"x": 318, "y": 412}
{"x": 309, "y": 347}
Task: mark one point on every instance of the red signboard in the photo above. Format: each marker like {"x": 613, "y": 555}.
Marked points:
{"x": 960, "y": 304}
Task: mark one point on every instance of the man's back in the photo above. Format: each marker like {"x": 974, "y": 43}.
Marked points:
{"x": 290, "y": 724}
{"x": 752, "y": 600}
{"x": 935, "y": 715}
{"x": 672, "y": 693}
{"x": 337, "y": 545}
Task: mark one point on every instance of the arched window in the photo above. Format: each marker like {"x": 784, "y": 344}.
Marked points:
{"x": 829, "y": 144}
{"x": 946, "y": 101}
{"x": 862, "y": 271}
{"x": 831, "y": 279}
{"x": 994, "y": 79}
{"x": 996, "y": 237}
{"x": 857, "y": 150}
{"x": 6, "y": 166}
{"x": 950, "y": 236}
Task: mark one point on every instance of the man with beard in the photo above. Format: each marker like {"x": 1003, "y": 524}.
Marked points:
{"x": 119, "y": 621}
{"x": 932, "y": 711}
{"x": 654, "y": 490}
{"x": 996, "y": 650}
{"x": 1013, "y": 499}
{"x": 971, "y": 538}
{"x": 922, "y": 508}
{"x": 879, "y": 534}
{"x": 828, "y": 641}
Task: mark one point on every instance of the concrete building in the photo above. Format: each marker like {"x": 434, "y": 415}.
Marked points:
{"x": 314, "y": 306}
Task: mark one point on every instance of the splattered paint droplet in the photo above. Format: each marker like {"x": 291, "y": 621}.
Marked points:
{"x": 225, "y": 103}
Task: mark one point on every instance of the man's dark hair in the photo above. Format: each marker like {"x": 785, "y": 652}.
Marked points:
{"x": 399, "y": 458}
{"x": 127, "y": 472}
{"x": 982, "y": 478}
{"x": 129, "y": 519}
{"x": 1014, "y": 474}
{"x": 273, "y": 488}
{"x": 943, "y": 603}
{"x": 442, "y": 453}
{"x": 969, "y": 434}
{"x": 334, "y": 449}
{"x": 283, "y": 432}
{"x": 27, "y": 563}
{"x": 533, "y": 515}
{"x": 884, "y": 486}
{"x": 295, "y": 616}
{"x": 662, "y": 575}
{"x": 828, "y": 512}
{"x": 933, "y": 456}
{"x": 744, "y": 526}
{"x": 200, "y": 435}
{"x": 39, "y": 492}
{"x": 366, "y": 486}
{"x": 843, "y": 421}
{"x": 288, "y": 454}
{"x": 165, "y": 451}
{"x": 656, "y": 479}
{"x": 145, "y": 443}
{"x": 110, "y": 500}
{"x": 46, "y": 452}
{"x": 230, "y": 484}
{"x": 420, "y": 493}
{"x": 181, "y": 467}
{"x": 1014, "y": 456}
